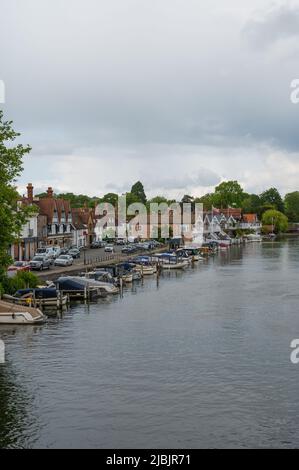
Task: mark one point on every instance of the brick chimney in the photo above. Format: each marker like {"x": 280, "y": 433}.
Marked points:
{"x": 30, "y": 192}
{"x": 50, "y": 192}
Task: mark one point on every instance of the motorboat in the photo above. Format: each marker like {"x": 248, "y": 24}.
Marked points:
{"x": 144, "y": 265}
{"x": 127, "y": 278}
{"x": 145, "y": 270}
{"x": 254, "y": 237}
{"x": 77, "y": 283}
{"x": 192, "y": 253}
{"x": 19, "y": 315}
{"x": 39, "y": 297}
{"x": 170, "y": 261}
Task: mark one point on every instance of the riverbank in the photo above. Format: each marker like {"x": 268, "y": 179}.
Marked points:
{"x": 97, "y": 262}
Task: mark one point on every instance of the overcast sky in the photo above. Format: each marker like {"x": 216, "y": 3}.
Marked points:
{"x": 180, "y": 94}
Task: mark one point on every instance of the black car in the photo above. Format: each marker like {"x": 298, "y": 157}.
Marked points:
{"x": 96, "y": 245}
{"x": 74, "y": 252}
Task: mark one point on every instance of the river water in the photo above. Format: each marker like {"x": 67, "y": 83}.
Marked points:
{"x": 198, "y": 359}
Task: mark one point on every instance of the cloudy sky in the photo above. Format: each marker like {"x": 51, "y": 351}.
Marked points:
{"x": 180, "y": 94}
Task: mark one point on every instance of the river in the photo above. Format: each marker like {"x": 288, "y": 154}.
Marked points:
{"x": 197, "y": 359}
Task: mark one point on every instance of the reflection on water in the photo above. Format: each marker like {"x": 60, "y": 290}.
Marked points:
{"x": 192, "y": 359}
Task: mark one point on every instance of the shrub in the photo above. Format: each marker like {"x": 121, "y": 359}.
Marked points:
{"x": 22, "y": 280}
{"x": 30, "y": 279}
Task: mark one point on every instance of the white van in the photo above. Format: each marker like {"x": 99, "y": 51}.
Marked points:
{"x": 48, "y": 251}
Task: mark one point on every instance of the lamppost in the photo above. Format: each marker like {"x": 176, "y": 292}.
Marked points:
{"x": 84, "y": 255}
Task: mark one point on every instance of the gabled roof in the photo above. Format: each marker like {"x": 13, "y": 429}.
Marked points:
{"x": 250, "y": 218}
{"x": 48, "y": 206}
{"x": 236, "y": 212}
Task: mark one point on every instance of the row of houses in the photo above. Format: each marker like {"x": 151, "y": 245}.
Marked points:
{"x": 55, "y": 222}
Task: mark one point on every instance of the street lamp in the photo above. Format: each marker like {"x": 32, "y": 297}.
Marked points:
{"x": 84, "y": 255}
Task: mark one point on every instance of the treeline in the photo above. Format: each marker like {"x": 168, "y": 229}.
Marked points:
{"x": 226, "y": 194}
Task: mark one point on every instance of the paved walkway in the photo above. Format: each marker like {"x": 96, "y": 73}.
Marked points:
{"x": 90, "y": 264}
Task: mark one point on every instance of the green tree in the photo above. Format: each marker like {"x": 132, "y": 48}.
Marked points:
{"x": 277, "y": 219}
{"x": 111, "y": 198}
{"x": 291, "y": 202}
{"x": 208, "y": 200}
{"x": 12, "y": 215}
{"x": 228, "y": 193}
{"x": 158, "y": 200}
{"x": 138, "y": 190}
{"x": 186, "y": 199}
{"x": 131, "y": 198}
{"x": 272, "y": 196}
{"x": 251, "y": 204}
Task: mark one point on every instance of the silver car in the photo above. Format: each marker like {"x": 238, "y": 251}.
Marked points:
{"x": 64, "y": 260}
{"x": 40, "y": 262}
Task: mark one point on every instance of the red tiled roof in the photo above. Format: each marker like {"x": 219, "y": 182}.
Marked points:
{"x": 250, "y": 218}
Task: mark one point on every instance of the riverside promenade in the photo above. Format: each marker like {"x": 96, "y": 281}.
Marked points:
{"x": 93, "y": 259}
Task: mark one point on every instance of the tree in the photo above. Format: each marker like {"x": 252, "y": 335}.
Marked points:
{"x": 111, "y": 198}
{"x": 291, "y": 202}
{"x": 208, "y": 200}
{"x": 186, "y": 199}
{"x": 12, "y": 215}
{"x": 277, "y": 219}
{"x": 158, "y": 200}
{"x": 138, "y": 190}
{"x": 251, "y": 204}
{"x": 272, "y": 196}
{"x": 264, "y": 208}
{"x": 229, "y": 193}
{"x": 131, "y": 198}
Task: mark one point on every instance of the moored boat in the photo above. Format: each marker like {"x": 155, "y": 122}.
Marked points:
{"x": 77, "y": 283}
{"x": 19, "y": 315}
{"x": 254, "y": 237}
{"x": 170, "y": 261}
{"x": 39, "y": 297}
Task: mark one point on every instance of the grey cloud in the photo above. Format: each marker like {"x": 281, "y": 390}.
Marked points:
{"x": 130, "y": 77}
{"x": 272, "y": 25}
{"x": 203, "y": 178}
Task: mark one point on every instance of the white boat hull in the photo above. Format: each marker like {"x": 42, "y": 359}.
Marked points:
{"x": 181, "y": 265}
{"x": 127, "y": 278}
{"x": 146, "y": 270}
{"x": 11, "y": 314}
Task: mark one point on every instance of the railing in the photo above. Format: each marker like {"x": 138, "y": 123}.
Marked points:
{"x": 117, "y": 257}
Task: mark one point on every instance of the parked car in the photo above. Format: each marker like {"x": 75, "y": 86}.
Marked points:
{"x": 19, "y": 266}
{"x": 57, "y": 251}
{"x": 40, "y": 262}
{"x": 74, "y": 252}
{"x": 96, "y": 245}
{"x": 120, "y": 241}
{"x": 127, "y": 249}
{"x": 109, "y": 249}
{"x": 48, "y": 251}
{"x": 64, "y": 251}
{"x": 64, "y": 260}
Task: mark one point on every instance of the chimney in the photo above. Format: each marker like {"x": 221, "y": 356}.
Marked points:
{"x": 50, "y": 192}
{"x": 30, "y": 192}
